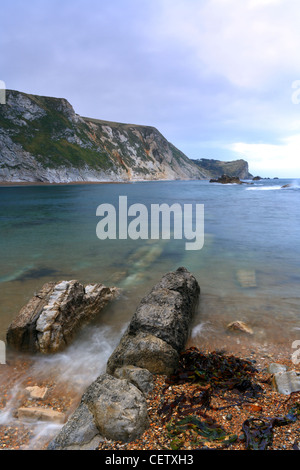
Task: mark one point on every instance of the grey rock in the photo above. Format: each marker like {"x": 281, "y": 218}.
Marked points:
{"x": 119, "y": 408}
{"x": 79, "y": 433}
{"x": 114, "y": 407}
{"x": 286, "y": 382}
{"x": 145, "y": 351}
{"x": 141, "y": 378}
{"x": 168, "y": 310}
{"x": 225, "y": 179}
{"x": 110, "y": 408}
{"x": 51, "y": 319}
{"x": 275, "y": 367}
{"x": 160, "y": 326}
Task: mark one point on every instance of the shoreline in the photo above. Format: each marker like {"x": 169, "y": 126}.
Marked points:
{"x": 71, "y": 183}
{"x": 18, "y": 435}
{"x": 74, "y": 183}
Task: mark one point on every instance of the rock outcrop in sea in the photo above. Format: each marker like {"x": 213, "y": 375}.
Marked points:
{"x": 225, "y": 179}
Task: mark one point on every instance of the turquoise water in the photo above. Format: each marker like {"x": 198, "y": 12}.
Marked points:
{"x": 248, "y": 268}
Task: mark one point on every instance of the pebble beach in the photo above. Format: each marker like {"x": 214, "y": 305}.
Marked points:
{"x": 17, "y": 435}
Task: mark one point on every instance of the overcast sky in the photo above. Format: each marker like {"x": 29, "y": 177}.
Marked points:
{"x": 219, "y": 78}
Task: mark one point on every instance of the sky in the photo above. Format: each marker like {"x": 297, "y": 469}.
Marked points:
{"x": 218, "y": 78}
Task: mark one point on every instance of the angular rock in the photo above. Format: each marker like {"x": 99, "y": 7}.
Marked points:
{"x": 286, "y": 382}
{"x": 38, "y": 393}
{"x": 145, "y": 351}
{"x": 41, "y": 414}
{"x": 51, "y": 319}
{"x": 141, "y": 378}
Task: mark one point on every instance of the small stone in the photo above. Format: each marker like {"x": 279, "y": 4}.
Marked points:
{"x": 255, "y": 407}
{"x": 240, "y": 326}
{"x": 38, "y": 393}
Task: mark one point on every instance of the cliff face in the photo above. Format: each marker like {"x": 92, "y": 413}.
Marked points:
{"x": 217, "y": 168}
{"x": 43, "y": 139}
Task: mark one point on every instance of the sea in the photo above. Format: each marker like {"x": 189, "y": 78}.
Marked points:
{"x": 248, "y": 268}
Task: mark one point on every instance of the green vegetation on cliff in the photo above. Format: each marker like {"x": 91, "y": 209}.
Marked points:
{"x": 43, "y": 139}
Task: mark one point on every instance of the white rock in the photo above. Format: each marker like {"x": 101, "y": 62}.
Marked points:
{"x": 286, "y": 382}
{"x": 38, "y": 393}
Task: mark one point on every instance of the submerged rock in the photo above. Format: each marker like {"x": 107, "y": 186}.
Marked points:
{"x": 50, "y": 320}
{"x": 240, "y": 326}
{"x": 246, "y": 278}
{"x": 38, "y": 413}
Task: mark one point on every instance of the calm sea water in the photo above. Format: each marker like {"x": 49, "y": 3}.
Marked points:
{"x": 248, "y": 269}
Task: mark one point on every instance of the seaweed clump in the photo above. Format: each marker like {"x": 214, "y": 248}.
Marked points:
{"x": 211, "y": 373}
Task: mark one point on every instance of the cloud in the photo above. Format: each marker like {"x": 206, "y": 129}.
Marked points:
{"x": 245, "y": 44}
{"x": 272, "y": 160}
{"x": 206, "y": 73}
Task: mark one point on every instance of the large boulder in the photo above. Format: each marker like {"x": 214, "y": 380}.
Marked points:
{"x": 145, "y": 351}
{"x": 50, "y": 320}
{"x": 110, "y": 408}
{"x": 160, "y": 327}
{"x": 79, "y": 433}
